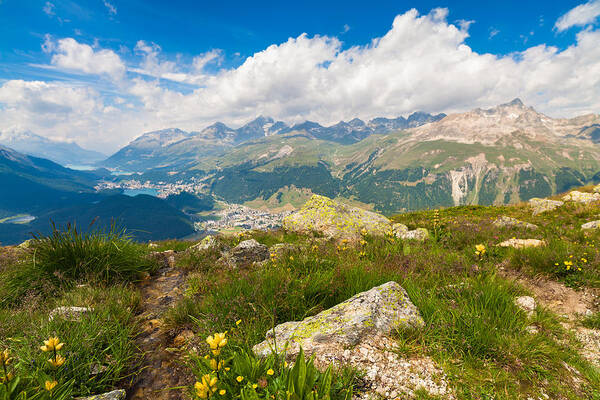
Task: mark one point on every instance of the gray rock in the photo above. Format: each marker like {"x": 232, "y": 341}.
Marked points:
{"x": 69, "y": 313}
{"x": 208, "y": 243}
{"x": 591, "y": 225}
{"x": 165, "y": 258}
{"x": 114, "y": 395}
{"x": 336, "y": 220}
{"x": 508, "y": 222}
{"x": 378, "y": 311}
{"x": 581, "y": 197}
{"x": 543, "y": 205}
{"x": 26, "y": 244}
{"x": 526, "y": 303}
{"x": 247, "y": 252}
{"x": 522, "y": 243}
{"x": 417, "y": 234}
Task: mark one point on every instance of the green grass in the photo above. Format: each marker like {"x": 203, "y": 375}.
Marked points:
{"x": 473, "y": 328}
{"x": 99, "y": 349}
{"x": 68, "y": 256}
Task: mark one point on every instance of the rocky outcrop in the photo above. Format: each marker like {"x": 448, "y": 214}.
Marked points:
{"x": 246, "y": 253}
{"x": 522, "y": 243}
{"x": 356, "y": 333}
{"x": 581, "y": 197}
{"x": 114, "y": 395}
{"x": 336, "y": 220}
{"x": 508, "y": 222}
{"x": 592, "y": 225}
{"x": 543, "y": 205}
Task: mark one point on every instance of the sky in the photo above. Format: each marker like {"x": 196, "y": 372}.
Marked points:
{"x": 102, "y": 72}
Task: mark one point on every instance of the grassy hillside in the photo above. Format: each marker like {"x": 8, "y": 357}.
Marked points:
{"x": 486, "y": 346}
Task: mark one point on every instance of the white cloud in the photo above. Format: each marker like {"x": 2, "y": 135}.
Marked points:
{"x": 71, "y": 55}
{"x": 111, "y": 8}
{"x": 421, "y": 63}
{"x": 346, "y": 28}
{"x": 493, "y": 32}
{"x": 583, "y": 14}
{"x": 49, "y": 9}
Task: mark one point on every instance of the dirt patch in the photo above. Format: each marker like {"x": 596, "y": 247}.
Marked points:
{"x": 560, "y": 299}
{"x": 567, "y": 302}
{"x": 162, "y": 369}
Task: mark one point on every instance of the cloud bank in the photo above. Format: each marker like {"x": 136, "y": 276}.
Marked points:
{"x": 421, "y": 63}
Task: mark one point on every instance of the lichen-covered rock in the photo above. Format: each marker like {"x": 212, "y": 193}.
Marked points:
{"x": 69, "y": 313}
{"x": 591, "y": 225}
{"x": 336, "y": 220}
{"x": 26, "y": 244}
{"x": 417, "y": 234}
{"x": 208, "y": 243}
{"x": 399, "y": 229}
{"x": 356, "y": 333}
{"x": 508, "y": 222}
{"x": 581, "y": 197}
{"x": 246, "y": 253}
{"x": 379, "y": 310}
{"x": 114, "y": 395}
{"x": 522, "y": 243}
{"x": 543, "y": 205}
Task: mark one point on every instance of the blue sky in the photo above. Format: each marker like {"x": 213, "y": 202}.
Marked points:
{"x": 102, "y": 71}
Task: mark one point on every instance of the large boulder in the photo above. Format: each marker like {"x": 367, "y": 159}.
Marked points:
{"x": 543, "y": 205}
{"x": 246, "y": 253}
{"x": 380, "y": 310}
{"x": 336, "y": 220}
{"x": 508, "y": 222}
{"x": 356, "y": 333}
{"x": 581, "y": 197}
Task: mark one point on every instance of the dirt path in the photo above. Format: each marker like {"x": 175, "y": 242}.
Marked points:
{"x": 161, "y": 368}
{"x": 567, "y": 302}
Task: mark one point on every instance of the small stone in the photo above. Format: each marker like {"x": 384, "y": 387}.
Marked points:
{"x": 526, "y": 303}
{"x": 417, "y": 234}
{"x": 184, "y": 337}
{"x": 508, "y": 222}
{"x": 114, "y": 395}
{"x": 247, "y": 253}
{"x": 543, "y": 205}
{"x": 208, "y": 243}
{"x": 69, "y": 313}
{"x": 591, "y": 225}
{"x": 522, "y": 243}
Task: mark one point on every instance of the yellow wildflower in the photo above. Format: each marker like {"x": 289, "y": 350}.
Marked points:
{"x": 5, "y": 358}
{"x": 217, "y": 341}
{"x": 222, "y": 392}
{"x": 49, "y": 385}
{"x": 52, "y": 344}
{"x": 239, "y": 379}
{"x": 57, "y": 361}
{"x": 270, "y": 372}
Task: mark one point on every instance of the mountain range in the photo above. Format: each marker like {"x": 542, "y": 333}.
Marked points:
{"x": 63, "y": 153}
{"x": 504, "y": 154}
{"x": 179, "y": 149}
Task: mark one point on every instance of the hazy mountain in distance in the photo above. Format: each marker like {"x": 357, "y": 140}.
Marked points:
{"x": 63, "y": 153}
